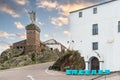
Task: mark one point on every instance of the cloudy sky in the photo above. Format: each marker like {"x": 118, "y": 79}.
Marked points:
{"x": 52, "y": 18}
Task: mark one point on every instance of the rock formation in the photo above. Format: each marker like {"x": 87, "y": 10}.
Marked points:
{"x": 71, "y": 60}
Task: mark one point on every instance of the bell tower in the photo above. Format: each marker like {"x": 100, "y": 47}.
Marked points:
{"x": 33, "y": 35}
{"x": 33, "y": 38}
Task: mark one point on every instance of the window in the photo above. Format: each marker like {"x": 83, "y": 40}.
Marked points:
{"x": 95, "y": 45}
{"x": 95, "y": 29}
{"x": 94, "y": 10}
{"x": 17, "y": 47}
{"x": 118, "y": 26}
{"x": 80, "y": 14}
{"x": 51, "y": 49}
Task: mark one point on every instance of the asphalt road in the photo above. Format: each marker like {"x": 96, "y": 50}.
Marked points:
{"x": 38, "y": 72}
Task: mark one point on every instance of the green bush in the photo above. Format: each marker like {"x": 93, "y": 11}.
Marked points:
{"x": 11, "y": 58}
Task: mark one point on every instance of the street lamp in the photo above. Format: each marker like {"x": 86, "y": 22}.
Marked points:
{"x": 70, "y": 44}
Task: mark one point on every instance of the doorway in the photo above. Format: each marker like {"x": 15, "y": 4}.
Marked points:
{"x": 94, "y": 64}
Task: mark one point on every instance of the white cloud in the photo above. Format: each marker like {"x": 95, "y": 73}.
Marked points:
{"x": 5, "y": 34}
{"x": 60, "y": 21}
{"x": 40, "y": 24}
{"x": 48, "y": 35}
{"x": 4, "y": 42}
{"x": 21, "y": 2}
{"x": 4, "y": 47}
{"x": 47, "y": 4}
{"x": 7, "y": 9}
{"x": 65, "y": 9}
{"x": 67, "y": 33}
{"x": 19, "y": 25}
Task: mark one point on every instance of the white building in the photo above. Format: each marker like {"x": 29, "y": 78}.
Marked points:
{"x": 53, "y": 44}
{"x": 96, "y": 34}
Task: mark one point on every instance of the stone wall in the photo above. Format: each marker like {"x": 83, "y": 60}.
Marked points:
{"x": 19, "y": 45}
{"x": 33, "y": 38}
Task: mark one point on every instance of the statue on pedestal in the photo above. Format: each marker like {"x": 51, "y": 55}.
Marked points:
{"x": 32, "y": 16}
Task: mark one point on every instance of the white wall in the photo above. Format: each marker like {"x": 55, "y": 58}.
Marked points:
{"x": 107, "y": 19}
{"x": 55, "y": 47}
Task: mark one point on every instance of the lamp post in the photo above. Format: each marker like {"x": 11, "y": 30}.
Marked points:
{"x": 70, "y": 44}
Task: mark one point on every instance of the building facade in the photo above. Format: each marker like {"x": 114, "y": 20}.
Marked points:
{"x": 53, "y": 44}
{"x": 96, "y": 34}
{"x": 33, "y": 38}
{"x": 32, "y": 41}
